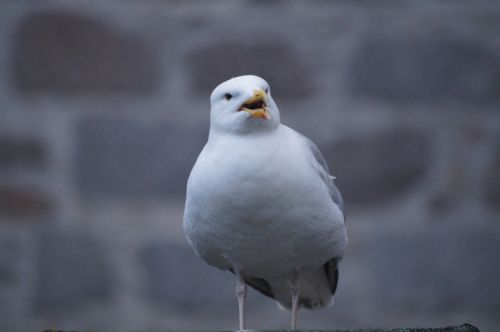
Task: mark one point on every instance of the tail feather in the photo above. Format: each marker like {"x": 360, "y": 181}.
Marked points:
{"x": 259, "y": 284}
{"x": 317, "y": 287}
{"x": 332, "y": 273}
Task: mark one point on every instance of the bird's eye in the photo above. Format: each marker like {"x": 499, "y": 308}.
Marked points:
{"x": 228, "y": 96}
{"x": 267, "y": 90}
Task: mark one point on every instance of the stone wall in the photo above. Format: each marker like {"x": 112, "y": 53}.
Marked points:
{"x": 104, "y": 108}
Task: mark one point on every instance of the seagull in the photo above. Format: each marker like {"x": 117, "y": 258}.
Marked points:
{"x": 261, "y": 203}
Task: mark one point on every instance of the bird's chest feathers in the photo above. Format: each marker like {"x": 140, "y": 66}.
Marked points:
{"x": 248, "y": 175}
{"x": 249, "y": 178}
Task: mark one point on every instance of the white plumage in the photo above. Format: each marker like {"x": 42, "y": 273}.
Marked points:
{"x": 261, "y": 203}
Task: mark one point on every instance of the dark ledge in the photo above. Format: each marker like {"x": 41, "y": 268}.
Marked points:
{"x": 461, "y": 328}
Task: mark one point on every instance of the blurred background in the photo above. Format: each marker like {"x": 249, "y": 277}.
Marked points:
{"x": 104, "y": 107}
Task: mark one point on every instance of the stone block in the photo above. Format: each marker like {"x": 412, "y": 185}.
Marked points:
{"x": 492, "y": 182}
{"x": 67, "y": 53}
{"x": 15, "y": 152}
{"x": 439, "y": 268}
{"x": 73, "y": 273}
{"x": 177, "y": 277}
{"x": 425, "y": 67}
{"x": 127, "y": 157}
{"x": 24, "y": 203}
{"x": 274, "y": 60}
{"x": 9, "y": 258}
{"x": 378, "y": 167}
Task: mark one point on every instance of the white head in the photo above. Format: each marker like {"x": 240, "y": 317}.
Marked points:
{"x": 243, "y": 105}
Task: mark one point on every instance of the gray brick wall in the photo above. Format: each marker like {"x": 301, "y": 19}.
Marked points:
{"x": 104, "y": 108}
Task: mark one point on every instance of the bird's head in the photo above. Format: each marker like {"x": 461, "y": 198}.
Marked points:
{"x": 242, "y": 105}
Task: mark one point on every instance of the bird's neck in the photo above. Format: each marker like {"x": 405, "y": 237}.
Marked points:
{"x": 247, "y": 131}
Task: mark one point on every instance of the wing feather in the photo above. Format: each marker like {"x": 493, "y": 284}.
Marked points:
{"x": 319, "y": 163}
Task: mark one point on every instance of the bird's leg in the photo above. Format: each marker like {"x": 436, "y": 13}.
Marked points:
{"x": 295, "y": 290}
{"x": 241, "y": 294}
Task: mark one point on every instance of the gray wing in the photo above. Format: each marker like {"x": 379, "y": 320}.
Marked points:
{"x": 331, "y": 267}
{"x": 322, "y": 168}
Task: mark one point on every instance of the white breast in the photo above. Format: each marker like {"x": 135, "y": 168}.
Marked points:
{"x": 258, "y": 205}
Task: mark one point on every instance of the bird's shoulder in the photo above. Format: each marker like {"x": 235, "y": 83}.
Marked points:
{"x": 318, "y": 162}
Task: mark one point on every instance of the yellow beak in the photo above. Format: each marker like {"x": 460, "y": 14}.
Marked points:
{"x": 256, "y": 106}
